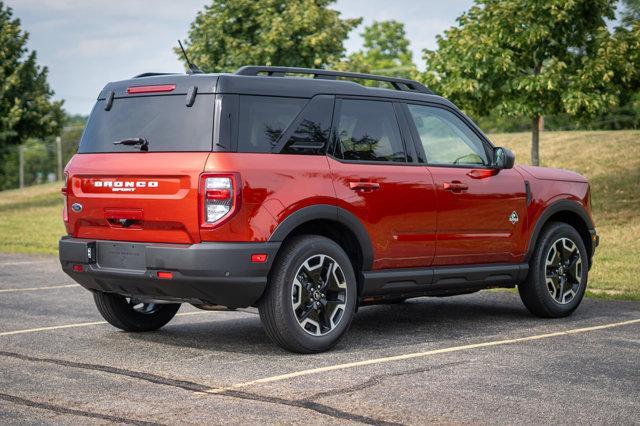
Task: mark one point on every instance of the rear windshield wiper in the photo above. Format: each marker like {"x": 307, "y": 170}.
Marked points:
{"x": 144, "y": 144}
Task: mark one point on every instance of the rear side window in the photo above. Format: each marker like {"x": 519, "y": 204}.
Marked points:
{"x": 165, "y": 121}
{"x": 263, "y": 119}
{"x": 368, "y": 131}
{"x": 310, "y": 135}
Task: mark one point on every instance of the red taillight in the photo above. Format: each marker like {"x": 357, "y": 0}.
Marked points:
{"x": 259, "y": 258}
{"x": 165, "y": 275}
{"x": 151, "y": 89}
{"x": 77, "y": 268}
{"x": 219, "y": 197}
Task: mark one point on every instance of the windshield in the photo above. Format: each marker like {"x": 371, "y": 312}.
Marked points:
{"x": 166, "y": 122}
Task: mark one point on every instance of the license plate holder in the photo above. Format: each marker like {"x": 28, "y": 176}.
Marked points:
{"x": 130, "y": 256}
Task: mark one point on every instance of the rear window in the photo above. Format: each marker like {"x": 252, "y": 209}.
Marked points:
{"x": 165, "y": 121}
{"x": 263, "y": 119}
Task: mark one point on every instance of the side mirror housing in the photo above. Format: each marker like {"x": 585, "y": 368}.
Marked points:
{"x": 503, "y": 158}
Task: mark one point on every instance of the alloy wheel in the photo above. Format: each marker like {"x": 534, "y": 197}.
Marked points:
{"x": 142, "y": 307}
{"x": 563, "y": 270}
{"x": 319, "y": 295}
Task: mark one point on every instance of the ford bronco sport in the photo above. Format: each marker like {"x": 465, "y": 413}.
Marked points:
{"x": 308, "y": 197}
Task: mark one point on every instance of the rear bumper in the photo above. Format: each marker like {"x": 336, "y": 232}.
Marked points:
{"x": 213, "y": 273}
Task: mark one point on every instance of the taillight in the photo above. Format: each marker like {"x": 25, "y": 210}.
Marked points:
{"x": 64, "y": 190}
{"x": 219, "y": 195}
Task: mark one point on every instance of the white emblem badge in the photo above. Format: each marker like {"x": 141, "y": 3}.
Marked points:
{"x": 513, "y": 218}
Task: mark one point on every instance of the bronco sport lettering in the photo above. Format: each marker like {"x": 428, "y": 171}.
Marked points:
{"x": 308, "y": 198}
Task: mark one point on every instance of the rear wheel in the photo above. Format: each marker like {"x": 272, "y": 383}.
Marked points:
{"x": 131, "y": 314}
{"x": 558, "y": 273}
{"x": 311, "y": 296}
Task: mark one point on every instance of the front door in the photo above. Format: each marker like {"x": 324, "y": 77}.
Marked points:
{"x": 382, "y": 185}
{"x": 481, "y": 211}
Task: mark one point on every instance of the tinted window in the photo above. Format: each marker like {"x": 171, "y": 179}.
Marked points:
{"x": 165, "y": 121}
{"x": 311, "y": 135}
{"x": 446, "y": 139}
{"x": 263, "y": 119}
{"x": 368, "y": 131}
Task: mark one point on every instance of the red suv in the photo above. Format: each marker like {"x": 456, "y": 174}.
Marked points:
{"x": 308, "y": 197}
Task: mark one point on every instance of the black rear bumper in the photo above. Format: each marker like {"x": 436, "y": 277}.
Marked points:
{"x": 212, "y": 273}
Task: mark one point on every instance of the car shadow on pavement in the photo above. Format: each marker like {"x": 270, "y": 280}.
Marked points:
{"x": 415, "y": 321}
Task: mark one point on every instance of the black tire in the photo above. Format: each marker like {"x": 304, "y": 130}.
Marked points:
{"x": 119, "y": 311}
{"x": 545, "y": 292}
{"x": 291, "y": 283}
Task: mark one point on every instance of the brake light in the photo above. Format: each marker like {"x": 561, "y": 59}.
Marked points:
{"x": 219, "y": 196}
{"x": 151, "y": 89}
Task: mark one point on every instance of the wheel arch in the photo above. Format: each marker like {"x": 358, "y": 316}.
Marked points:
{"x": 334, "y": 223}
{"x": 569, "y": 212}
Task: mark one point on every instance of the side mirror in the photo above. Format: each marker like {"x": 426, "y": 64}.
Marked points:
{"x": 503, "y": 158}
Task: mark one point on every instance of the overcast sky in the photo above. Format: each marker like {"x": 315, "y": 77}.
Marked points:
{"x": 87, "y": 43}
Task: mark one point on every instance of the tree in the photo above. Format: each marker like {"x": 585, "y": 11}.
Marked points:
{"x": 231, "y": 33}
{"x": 26, "y": 109}
{"x": 630, "y": 12}
{"x": 529, "y": 58}
{"x": 386, "y": 51}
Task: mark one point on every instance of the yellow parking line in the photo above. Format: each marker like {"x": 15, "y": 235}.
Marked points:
{"x": 12, "y": 290}
{"x": 82, "y": 324}
{"x": 414, "y": 355}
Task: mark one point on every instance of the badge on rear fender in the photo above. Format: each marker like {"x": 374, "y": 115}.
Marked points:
{"x": 513, "y": 218}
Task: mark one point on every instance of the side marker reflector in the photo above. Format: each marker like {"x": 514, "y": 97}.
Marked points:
{"x": 165, "y": 275}
{"x": 259, "y": 258}
{"x": 78, "y": 268}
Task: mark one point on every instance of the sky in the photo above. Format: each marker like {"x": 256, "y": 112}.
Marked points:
{"x": 87, "y": 43}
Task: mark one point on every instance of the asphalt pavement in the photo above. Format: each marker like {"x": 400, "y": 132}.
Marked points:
{"x": 479, "y": 358}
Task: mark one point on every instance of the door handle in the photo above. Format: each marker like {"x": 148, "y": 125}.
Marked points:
{"x": 364, "y": 186}
{"x": 455, "y": 186}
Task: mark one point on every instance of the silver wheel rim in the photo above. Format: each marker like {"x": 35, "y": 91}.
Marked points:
{"x": 141, "y": 307}
{"x": 563, "y": 270}
{"x": 319, "y": 295}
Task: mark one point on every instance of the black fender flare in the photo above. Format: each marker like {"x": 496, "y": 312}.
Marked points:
{"x": 327, "y": 212}
{"x": 553, "y": 208}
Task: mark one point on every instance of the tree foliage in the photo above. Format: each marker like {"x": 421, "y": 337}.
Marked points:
{"x": 26, "y": 108}
{"x": 231, "y": 33}
{"x": 385, "y": 51}
{"x": 530, "y": 58}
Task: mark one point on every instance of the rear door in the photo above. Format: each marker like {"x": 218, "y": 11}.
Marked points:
{"x": 122, "y": 192}
{"x": 481, "y": 211}
{"x": 381, "y": 184}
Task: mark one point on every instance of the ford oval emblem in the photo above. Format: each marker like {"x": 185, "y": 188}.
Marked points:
{"x": 76, "y": 207}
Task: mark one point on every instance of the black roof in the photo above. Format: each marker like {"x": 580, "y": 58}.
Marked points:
{"x": 273, "y": 85}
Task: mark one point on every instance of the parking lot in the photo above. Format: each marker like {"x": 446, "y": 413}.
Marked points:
{"x": 466, "y": 359}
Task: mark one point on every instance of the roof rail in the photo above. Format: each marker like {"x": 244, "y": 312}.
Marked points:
{"x": 152, "y": 74}
{"x": 402, "y": 84}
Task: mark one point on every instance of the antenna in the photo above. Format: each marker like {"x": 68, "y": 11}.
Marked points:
{"x": 193, "y": 68}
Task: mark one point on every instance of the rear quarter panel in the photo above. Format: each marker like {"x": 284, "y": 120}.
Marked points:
{"x": 273, "y": 186}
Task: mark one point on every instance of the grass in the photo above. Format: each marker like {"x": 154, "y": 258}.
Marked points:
{"x": 30, "y": 219}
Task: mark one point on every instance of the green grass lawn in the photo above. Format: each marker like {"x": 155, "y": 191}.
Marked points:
{"x": 31, "y": 219}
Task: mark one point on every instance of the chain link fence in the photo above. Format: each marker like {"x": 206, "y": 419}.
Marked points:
{"x": 37, "y": 161}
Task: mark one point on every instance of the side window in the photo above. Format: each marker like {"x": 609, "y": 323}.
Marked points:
{"x": 368, "y": 131}
{"x": 446, "y": 139}
{"x": 311, "y": 133}
{"x": 263, "y": 119}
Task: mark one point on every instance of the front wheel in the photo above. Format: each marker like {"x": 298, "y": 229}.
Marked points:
{"x": 311, "y": 297}
{"x": 558, "y": 273}
{"x": 131, "y": 314}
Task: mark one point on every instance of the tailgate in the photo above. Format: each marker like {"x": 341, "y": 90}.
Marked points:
{"x": 144, "y": 197}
